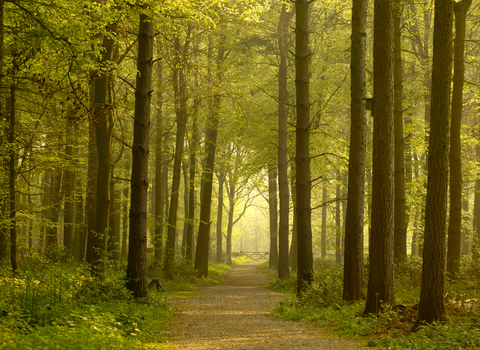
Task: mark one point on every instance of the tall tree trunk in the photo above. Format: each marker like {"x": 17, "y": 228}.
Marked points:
{"x": 221, "y": 183}
{"x": 455, "y": 217}
{"x": 400, "y": 235}
{"x": 323, "y": 241}
{"x": 381, "y": 281}
{"x": 186, "y": 186}
{"x": 4, "y": 203}
{"x": 137, "y": 244}
{"x": 203, "y": 243}
{"x": 353, "y": 251}
{"x": 179, "y": 81}
{"x": 293, "y": 246}
{"x": 69, "y": 190}
{"x": 431, "y": 307}
{"x": 103, "y": 132}
{"x": 191, "y": 185}
{"x": 231, "y": 191}
{"x": 159, "y": 155}
{"x": 91, "y": 195}
{"x": 283, "y": 35}
{"x": 12, "y": 176}
{"x": 338, "y": 220}
{"x": 302, "y": 150}
{"x": 273, "y": 215}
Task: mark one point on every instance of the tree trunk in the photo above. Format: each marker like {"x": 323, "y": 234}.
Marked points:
{"x": 400, "y": 235}
{"x": 293, "y": 246}
{"x": 203, "y": 243}
{"x": 103, "y": 131}
{"x": 12, "y": 176}
{"x": 159, "y": 155}
{"x": 431, "y": 307}
{"x": 221, "y": 183}
{"x": 338, "y": 220}
{"x": 455, "y": 217}
{"x": 381, "y": 280}
{"x": 69, "y": 190}
{"x": 302, "y": 150}
{"x": 179, "y": 81}
{"x": 191, "y": 185}
{"x": 283, "y": 34}
{"x": 273, "y": 215}
{"x": 353, "y": 251}
{"x": 137, "y": 247}
{"x": 323, "y": 242}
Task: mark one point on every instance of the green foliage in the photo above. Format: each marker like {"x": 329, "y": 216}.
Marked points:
{"x": 391, "y": 328}
{"x": 62, "y": 307}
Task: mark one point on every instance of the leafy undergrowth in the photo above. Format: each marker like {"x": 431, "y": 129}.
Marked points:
{"x": 391, "y": 328}
{"x": 53, "y": 304}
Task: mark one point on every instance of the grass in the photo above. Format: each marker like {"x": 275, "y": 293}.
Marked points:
{"x": 391, "y": 328}
{"x": 55, "y": 304}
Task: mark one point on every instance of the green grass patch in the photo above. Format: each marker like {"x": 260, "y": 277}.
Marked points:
{"x": 391, "y": 329}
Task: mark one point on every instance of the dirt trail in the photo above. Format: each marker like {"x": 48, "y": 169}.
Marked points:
{"x": 236, "y": 315}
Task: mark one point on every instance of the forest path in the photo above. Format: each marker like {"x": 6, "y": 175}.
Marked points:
{"x": 236, "y": 315}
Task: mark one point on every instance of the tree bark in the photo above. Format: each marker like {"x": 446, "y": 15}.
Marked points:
{"x": 302, "y": 149}
{"x": 400, "y": 235}
{"x": 221, "y": 183}
{"x": 203, "y": 243}
{"x": 284, "y": 213}
{"x": 12, "y": 177}
{"x": 137, "y": 247}
{"x": 69, "y": 188}
{"x": 273, "y": 216}
{"x": 431, "y": 307}
{"x": 353, "y": 251}
{"x": 159, "y": 154}
{"x": 381, "y": 281}
{"x": 179, "y": 80}
{"x": 455, "y": 217}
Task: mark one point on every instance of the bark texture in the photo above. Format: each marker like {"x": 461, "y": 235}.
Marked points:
{"x": 137, "y": 247}
{"x": 302, "y": 150}
{"x": 380, "y": 282}
{"x": 431, "y": 307}
{"x": 353, "y": 251}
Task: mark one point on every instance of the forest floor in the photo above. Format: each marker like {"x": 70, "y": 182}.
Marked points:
{"x": 236, "y": 315}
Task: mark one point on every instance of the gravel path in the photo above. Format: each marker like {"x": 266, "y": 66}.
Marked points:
{"x": 236, "y": 315}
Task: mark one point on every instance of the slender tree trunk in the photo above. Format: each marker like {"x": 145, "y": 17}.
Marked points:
{"x": 191, "y": 185}
{"x": 91, "y": 195}
{"x": 455, "y": 217}
{"x": 159, "y": 154}
{"x": 181, "y": 113}
{"x": 221, "y": 183}
{"x": 12, "y": 176}
{"x": 137, "y": 247}
{"x": 283, "y": 34}
{"x": 3, "y": 199}
{"x": 69, "y": 188}
{"x": 203, "y": 243}
{"x": 186, "y": 185}
{"x": 400, "y": 235}
{"x": 302, "y": 150}
{"x": 353, "y": 251}
{"x": 293, "y": 246}
{"x": 273, "y": 215}
{"x": 338, "y": 220}
{"x": 381, "y": 281}
{"x": 431, "y": 307}
{"x": 323, "y": 242}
